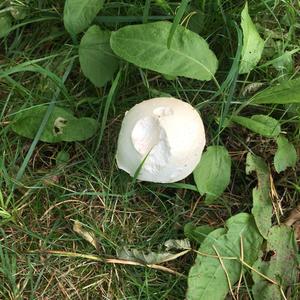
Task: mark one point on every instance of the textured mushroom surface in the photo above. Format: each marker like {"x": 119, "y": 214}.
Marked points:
{"x": 163, "y": 136}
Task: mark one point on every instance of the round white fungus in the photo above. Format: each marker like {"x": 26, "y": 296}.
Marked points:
{"x": 162, "y": 139}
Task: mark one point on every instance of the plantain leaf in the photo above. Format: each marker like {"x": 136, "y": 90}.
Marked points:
{"x": 285, "y": 156}
{"x": 212, "y": 175}
{"x": 278, "y": 263}
{"x": 97, "y": 61}
{"x": 146, "y": 46}
{"x": 253, "y": 44}
{"x": 79, "y": 14}
{"x": 207, "y": 278}
{"x": 261, "y": 124}
{"x": 287, "y": 92}
{"x": 61, "y": 126}
{"x": 262, "y": 202}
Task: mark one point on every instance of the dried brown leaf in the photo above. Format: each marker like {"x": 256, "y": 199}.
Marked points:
{"x": 89, "y": 236}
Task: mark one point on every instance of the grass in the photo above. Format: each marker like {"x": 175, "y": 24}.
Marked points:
{"x": 42, "y": 198}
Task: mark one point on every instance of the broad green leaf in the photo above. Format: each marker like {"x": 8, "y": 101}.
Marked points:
{"x": 5, "y": 24}
{"x": 286, "y": 92}
{"x": 285, "y": 156}
{"x": 97, "y": 61}
{"x": 146, "y": 46}
{"x": 61, "y": 126}
{"x": 197, "y": 233}
{"x": 79, "y": 129}
{"x": 261, "y": 124}
{"x": 278, "y": 263}
{"x": 262, "y": 202}
{"x": 253, "y": 44}
{"x": 207, "y": 278}
{"x": 79, "y": 14}
{"x": 212, "y": 175}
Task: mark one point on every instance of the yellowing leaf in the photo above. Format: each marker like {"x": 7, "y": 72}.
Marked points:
{"x": 253, "y": 44}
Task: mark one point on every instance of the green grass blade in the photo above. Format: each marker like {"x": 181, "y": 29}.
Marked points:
{"x": 109, "y": 100}
{"x": 179, "y": 15}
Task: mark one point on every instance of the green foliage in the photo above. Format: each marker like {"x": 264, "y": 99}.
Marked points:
{"x": 180, "y": 12}
{"x": 19, "y": 11}
{"x": 197, "y": 20}
{"x": 262, "y": 202}
{"x": 61, "y": 126}
{"x": 278, "y": 263}
{"x": 286, "y": 92}
{"x": 253, "y": 44}
{"x": 285, "y": 156}
{"x": 146, "y": 46}
{"x": 62, "y": 157}
{"x": 79, "y": 14}
{"x": 212, "y": 175}
{"x": 221, "y": 251}
{"x": 5, "y": 24}
{"x": 164, "y": 5}
{"x": 197, "y": 233}
{"x": 4, "y": 214}
{"x": 261, "y": 124}
{"x": 44, "y": 187}
{"x": 10, "y": 10}
{"x": 97, "y": 61}
{"x": 284, "y": 63}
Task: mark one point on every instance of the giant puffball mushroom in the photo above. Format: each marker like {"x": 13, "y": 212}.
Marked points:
{"x": 161, "y": 140}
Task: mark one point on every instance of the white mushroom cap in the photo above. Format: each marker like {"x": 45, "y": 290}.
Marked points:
{"x": 164, "y": 136}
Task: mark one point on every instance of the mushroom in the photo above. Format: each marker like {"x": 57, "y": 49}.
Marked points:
{"x": 161, "y": 140}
